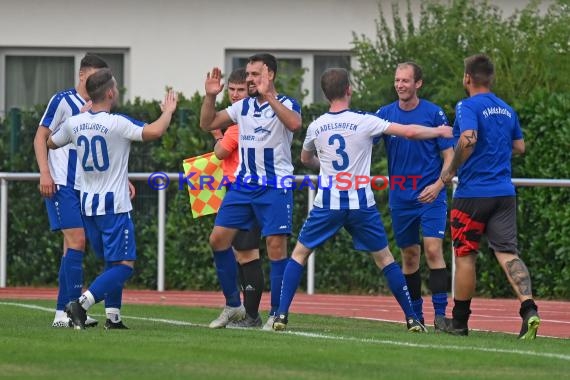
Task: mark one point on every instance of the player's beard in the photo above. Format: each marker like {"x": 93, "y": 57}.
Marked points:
{"x": 250, "y": 92}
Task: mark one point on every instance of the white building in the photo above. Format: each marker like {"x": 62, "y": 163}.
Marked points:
{"x": 151, "y": 44}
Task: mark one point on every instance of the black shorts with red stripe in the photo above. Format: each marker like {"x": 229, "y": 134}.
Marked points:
{"x": 496, "y": 217}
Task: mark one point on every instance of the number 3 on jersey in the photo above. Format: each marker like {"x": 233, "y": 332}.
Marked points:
{"x": 343, "y": 164}
{"x": 97, "y": 148}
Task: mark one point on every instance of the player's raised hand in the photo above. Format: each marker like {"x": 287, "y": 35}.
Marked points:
{"x": 213, "y": 83}
{"x": 170, "y": 101}
{"x": 265, "y": 86}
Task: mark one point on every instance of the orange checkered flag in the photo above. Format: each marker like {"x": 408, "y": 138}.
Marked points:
{"x": 205, "y": 180}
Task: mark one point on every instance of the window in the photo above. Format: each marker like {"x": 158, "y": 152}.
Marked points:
{"x": 32, "y": 76}
{"x": 33, "y": 79}
{"x": 310, "y": 65}
{"x": 116, "y": 63}
{"x": 321, "y": 63}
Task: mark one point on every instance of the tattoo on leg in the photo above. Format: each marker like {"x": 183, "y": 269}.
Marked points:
{"x": 518, "y": 272}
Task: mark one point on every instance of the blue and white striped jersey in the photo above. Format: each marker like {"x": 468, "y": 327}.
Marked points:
{"x": 103, "y": 143}
{"x": 343, "y": 142}
{"x": 63, "y": 164}
{"x": 264, "y": 142}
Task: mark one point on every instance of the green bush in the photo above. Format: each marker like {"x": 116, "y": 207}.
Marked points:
{"x": 544, "y": 213}
{"x": 530, "y": 50}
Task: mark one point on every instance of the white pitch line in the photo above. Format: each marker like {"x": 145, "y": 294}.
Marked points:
{"x": 168, "y": 321}
{"x": 27, "y": 306}
{"x": 161, "y": 320}
{"x": 433, "y": 346}
{"x": 340, "y": 338}
{"x": 482, "y": 330}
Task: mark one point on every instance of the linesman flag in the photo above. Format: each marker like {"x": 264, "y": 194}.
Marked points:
{"x": 204, "y": 176}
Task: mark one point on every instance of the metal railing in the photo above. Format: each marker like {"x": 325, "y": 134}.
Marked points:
{"x": 161, "y": 214}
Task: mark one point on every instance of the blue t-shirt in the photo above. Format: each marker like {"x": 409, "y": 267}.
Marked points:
{"x": 487, "y": 172}
{"x": 414, "y": 164}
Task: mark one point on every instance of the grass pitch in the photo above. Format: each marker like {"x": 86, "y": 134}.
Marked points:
{"x": 168, "y": 342}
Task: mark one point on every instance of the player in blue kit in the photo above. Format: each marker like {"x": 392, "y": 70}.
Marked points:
{"x": 267, "y": 121}
{"x": 59, "y": 184}
{"x": 488, "y": 133}
{"x": 103, "y": 144}
{"x": 342, "y": 140}
{"x": 417, "y": 200}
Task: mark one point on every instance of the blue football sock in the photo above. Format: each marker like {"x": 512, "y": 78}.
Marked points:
{"x": 397, "y": 284}
{"x": 417, "y": 305}
{"x": 73, "y": 264}
{"x": 438, "y": 284}
{"x": 276, "y": 279}
{"x": 62, "y": 297}
{"x": 291, "y": 280}
{"x": 110, "y": 280}
{"x": 226, "y": 267}
{"x": 439, "y": 303}
{"x": 114, "y": 298}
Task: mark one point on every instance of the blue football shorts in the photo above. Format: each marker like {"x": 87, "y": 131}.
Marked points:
{"x": 271, "y": 208}
{"x": 406, "y": 223}
{"x": 364, "y": 225}
{"x": 64, "y": 209}
{"x": 112, "y": 237}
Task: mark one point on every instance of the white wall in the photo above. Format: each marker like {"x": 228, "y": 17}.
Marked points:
{"x": 175, "y": 42}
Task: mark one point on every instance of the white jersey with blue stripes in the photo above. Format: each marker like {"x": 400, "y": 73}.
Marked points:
{"x": 63, "y": 164}
{"x": 264, "y": 141}
{"x": 343, "y": 142}
{"x": 103, "y": 143}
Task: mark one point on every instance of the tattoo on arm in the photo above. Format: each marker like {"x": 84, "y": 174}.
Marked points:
{"x": 463, "y": 150}
{"x": 471, "y": 139}
{"x": 518, "y": 273}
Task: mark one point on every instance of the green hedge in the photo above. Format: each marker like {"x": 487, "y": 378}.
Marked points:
{"x": 34, "y": 251}
{"x": 544, "y": 213}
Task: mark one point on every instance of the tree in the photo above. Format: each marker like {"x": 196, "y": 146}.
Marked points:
{"x": 530, "y": 50}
